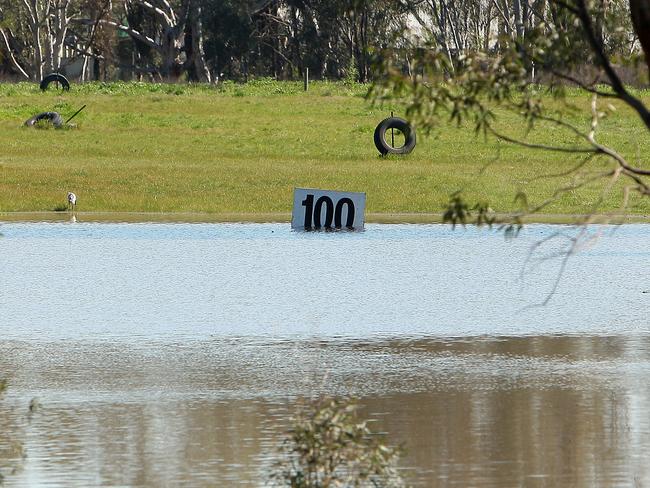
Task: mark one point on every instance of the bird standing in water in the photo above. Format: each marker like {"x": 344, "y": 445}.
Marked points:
{"x": 72, "y": 200}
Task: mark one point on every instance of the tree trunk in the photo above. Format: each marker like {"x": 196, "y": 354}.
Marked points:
{"x": 36, "y": 20}
{"x": 196, "y": 66}
{"x": 363, "y": 51}
{"x": 170, "y": 49}
{"x": 519, "y": 25}
{"x": 640, "y": 10}
{"x": 57, "y": 36}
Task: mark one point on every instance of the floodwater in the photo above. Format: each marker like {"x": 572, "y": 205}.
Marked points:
{"x": 175, "y": 354}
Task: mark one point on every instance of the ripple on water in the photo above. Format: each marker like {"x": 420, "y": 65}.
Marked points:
{"x": 175, "y": 354}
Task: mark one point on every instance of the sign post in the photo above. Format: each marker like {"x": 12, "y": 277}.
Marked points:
{"x": 326, "y": 209}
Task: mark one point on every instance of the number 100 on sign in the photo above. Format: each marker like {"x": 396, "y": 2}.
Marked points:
{"x": 325, "y": 209}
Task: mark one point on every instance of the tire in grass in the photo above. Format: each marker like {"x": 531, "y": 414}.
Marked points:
{"x": 404, "y": 127}
{"x": 55, "y": 77}
{"x": 53, "y": 118}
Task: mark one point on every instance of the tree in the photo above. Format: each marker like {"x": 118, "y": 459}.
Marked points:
{"x": 228, "y": 36}
{"x": 330, "y": 37}
{"x": 33, "y": 34}
{"x": 561, "y": 41}
{"x": 92, "y": 40}
{"x": 166, "y": 34}
{"x": 456, "y": 27}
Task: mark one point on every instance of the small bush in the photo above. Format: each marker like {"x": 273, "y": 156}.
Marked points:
{"x": 329, "y": 447}
{"x": 351, "y": 74}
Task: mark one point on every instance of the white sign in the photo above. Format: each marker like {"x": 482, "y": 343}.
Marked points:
{"x": 325, "y": 209}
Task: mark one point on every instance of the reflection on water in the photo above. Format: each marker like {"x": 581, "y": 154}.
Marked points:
{"x": 168, "y": 355}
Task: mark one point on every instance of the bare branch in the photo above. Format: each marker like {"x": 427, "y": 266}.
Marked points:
{"x": 540, "y": 146}
{"x": 83, "y": 52}
{"x": 170, "y": 19}
{"x": 568, "y": 172}
{"x": 617, "y": 84}
{"x": 565, "y": 260}
{"x": 132, "y": 32}
{"x": 168, "y": 6}
{"x": 643, "y": 187}
{"x": 565, "y": 189}
{"x": 582, "y": 85}
{"x": 576, "y": 243}
{"x": 605, "y": 191}
{"x": 591, "y": 137}
{"x": 276, "y": 51}
{"x": 32, "y": 13}
{"x": 11, "y": 54}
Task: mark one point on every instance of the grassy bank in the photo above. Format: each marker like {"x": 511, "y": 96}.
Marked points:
{"x": 241, "y": 150}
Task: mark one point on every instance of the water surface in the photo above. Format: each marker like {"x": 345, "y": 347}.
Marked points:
{"x": 174, "y": 354}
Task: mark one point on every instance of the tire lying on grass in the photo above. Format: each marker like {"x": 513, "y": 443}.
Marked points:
{"x": 53, "y": 118}
{"x": 404, "y": 127}
{"x": 55, "y": 77}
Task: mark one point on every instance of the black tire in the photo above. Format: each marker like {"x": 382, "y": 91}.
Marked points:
{"x": 55, "y": 77}
{"x": 53, "y": 117}
{"x": 394, "y": 123}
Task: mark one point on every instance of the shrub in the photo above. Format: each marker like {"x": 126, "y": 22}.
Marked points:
{"x": 327, "y": 446}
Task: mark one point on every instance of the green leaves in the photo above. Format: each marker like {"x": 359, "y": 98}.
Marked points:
{"x": 467, "y": 91}
{"x": 459, "y": 212}
{"x": 486, "y": 88}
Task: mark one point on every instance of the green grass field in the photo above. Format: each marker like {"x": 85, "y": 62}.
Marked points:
{"x": 241, "y": 149}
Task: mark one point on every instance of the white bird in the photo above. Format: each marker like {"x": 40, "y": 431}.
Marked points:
{"x": 72, "y": 200}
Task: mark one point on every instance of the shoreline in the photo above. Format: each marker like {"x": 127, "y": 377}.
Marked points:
{"x": 285, "y": 217}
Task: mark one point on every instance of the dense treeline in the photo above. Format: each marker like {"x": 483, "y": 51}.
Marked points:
{"x": 208, "y": 40}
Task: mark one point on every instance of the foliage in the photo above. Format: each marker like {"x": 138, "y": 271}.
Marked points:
{"x": 328, "y": 446}
{"x": 352, "y": 74}
{"x": 202, "y": 40}
{"x": 33, "y": 34}
{"x": 229, "y": 37}
{"x": 486, "y": 91}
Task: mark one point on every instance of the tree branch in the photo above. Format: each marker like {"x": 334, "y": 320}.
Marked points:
{"x": 539, "y": 146}
{"x": 617, "y": 84}
{"x": 169, "y": 20}
{"x": 132, "y": 32}
{"x": 11, "y": 54}
{"x": 591, "y": 137}
{"x": 582, "y": 85}
{"x": 568, "y": 172}
{"x": 83, "y": 52}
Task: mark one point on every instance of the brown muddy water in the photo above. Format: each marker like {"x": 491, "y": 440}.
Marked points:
{"x": 175, "y": 354}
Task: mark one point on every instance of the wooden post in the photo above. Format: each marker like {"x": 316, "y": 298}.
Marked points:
{"x": 306, "y": 79}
